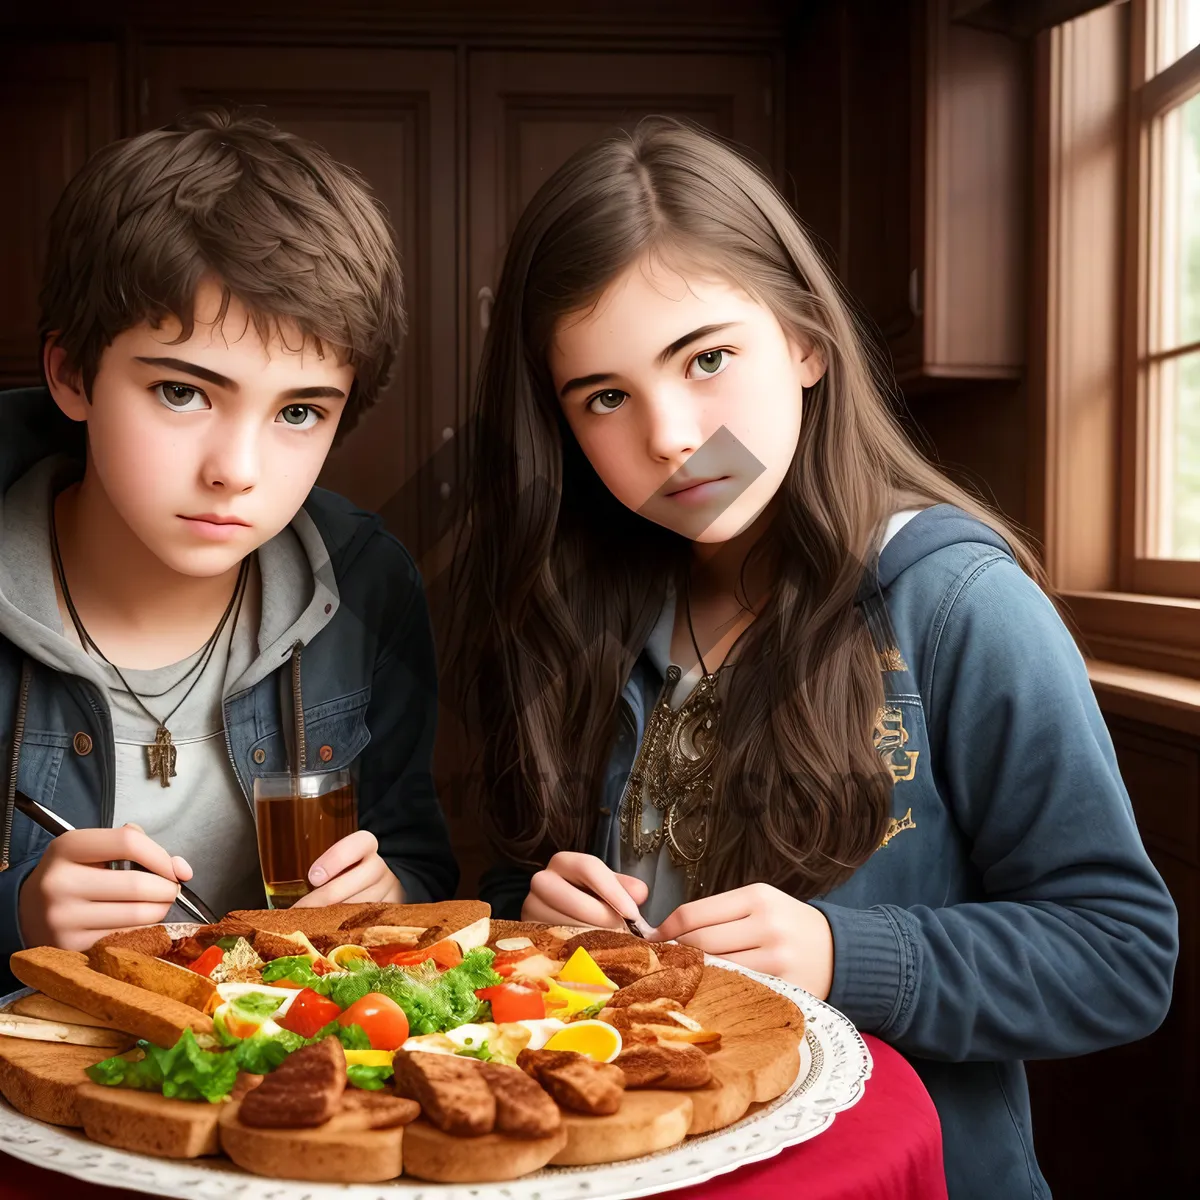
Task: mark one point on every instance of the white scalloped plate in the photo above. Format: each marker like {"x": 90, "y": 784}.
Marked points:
{"x": 835, "y": 1065}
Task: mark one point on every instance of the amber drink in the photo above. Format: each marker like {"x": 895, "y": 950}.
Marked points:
{"x": 299, "y": 817}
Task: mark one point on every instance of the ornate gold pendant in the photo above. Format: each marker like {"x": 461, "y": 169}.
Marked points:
{"x": 674, "y": 768}
{"x": 161, "y": 756}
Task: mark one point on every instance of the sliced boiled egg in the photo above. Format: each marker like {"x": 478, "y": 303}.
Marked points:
{"x": 232, "y": 991}
{"x": 541, "y": 1031}
{"x": 597, "y": 1039}
{"x": 431, "y": 1043}
{"x": 471, "y": 1037}
{"x": 341, "y": 956}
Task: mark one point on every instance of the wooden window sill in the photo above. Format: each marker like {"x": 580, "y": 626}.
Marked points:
{"x": 1160, "y": 634}
{"x": 1172, "y": 701}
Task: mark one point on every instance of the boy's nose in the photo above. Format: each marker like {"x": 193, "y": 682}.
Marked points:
{"x": 232, "y": 461}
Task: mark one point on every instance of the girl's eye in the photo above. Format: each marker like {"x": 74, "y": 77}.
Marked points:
{"x": 181, "y": 397}
{"x": 606, "y": 402}
{"x": 711, "y": 362}
{"x": 299, "y": 416}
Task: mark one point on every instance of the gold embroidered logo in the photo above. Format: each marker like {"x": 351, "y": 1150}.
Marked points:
{"x": 891, "y": 660}
{"x": 898, "y": 825}
{"x": 889, "y": 736}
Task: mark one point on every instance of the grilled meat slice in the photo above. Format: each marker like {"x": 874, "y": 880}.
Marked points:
{"x": 451, "y": 1091}
{"x": 575, "y": 1081}
{"x": 523, "y": 1109}
{"x": 304, "y": 1091}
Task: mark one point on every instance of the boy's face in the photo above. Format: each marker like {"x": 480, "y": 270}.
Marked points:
{"x": 207, "y": 448}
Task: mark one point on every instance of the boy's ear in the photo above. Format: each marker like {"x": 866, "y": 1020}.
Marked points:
{"x": 65, "y": 384}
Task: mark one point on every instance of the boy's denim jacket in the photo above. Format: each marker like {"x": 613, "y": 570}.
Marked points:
{"x": 365, "y": 686}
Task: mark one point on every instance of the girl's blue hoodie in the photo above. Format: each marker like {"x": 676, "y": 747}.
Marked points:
{"x": 1012, "y": 912}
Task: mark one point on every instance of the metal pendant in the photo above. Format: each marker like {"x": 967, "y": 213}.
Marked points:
{"x": 161, "y": 756}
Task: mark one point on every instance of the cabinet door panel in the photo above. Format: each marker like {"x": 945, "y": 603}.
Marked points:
{"x": 530, "y": 111}
{"x": 389, "y": 114}
{"x": 58, "y": 106}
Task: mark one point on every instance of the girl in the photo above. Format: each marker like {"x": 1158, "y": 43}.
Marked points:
{"x": 746, "y": 662}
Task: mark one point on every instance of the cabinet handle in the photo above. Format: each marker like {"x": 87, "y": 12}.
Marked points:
{"x": 485, "y": 298}
{"x": 914, "y": 291}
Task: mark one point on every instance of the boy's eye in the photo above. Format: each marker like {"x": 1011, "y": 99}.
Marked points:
{"x": 181, "y": 397}
{"x": 299, "y": 416}
{"x": 711, "y": 362}
{"x": 607, "y": 401}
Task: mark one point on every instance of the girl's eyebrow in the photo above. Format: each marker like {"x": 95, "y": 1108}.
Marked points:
{"x": 665, "y": 355}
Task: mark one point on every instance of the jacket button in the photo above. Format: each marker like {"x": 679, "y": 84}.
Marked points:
{"x": 259, "y": 756}
{"x": 82, "y": 743}
{"x": 326, "y": 753}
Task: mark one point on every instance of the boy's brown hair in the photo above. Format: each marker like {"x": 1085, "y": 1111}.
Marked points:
{"x": 294, "y": 235}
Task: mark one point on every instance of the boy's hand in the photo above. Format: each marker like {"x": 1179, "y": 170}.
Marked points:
{"x": 580, "y": 889}
{"x": 763, "y": 929}
{"x": 351, "y": 872}
{"x": 72, "y": 898}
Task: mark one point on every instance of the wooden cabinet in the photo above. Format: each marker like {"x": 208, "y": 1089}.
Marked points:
{"x": 390, "y": 114}
{"x": 923, "y": 121}
{"x": 530, "y": 111}
{"x": 58, "y": 105}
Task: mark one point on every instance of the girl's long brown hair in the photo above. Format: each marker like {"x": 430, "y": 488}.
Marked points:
{"x": 560, "y": 583}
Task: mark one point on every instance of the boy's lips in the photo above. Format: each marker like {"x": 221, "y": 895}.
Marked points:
{"x": 213, "y": 525}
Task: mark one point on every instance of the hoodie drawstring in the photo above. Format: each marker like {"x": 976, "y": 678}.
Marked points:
{"x": 10, "y": 790}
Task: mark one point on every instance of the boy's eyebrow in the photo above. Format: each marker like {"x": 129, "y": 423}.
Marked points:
{"x": 586, "y": 381}
{"x": 178, "y": 364}
{"x": 214, "y": 377}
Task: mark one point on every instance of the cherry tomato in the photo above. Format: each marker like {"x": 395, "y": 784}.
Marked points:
{"x": 512, "y": 1002}
{"x": 309, "y": 1012}
{"x": 445, "y": 954}
{"x": 207, "y": 962}
{"x": 380, "y": 1018}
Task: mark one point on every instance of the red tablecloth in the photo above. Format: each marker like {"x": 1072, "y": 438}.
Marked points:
{"x": 887, "y": 1147}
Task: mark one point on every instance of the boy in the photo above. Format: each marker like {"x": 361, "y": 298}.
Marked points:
{"x": 180, "y": 609}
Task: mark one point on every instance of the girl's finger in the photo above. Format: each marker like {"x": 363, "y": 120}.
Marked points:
{"x": 341, "y": 856}
{"x": 711, "y": 910}
{"x": 729, "y": 938}
{"x": 104, "y": 917}
{"x": 636, "y": 888}
{"x": 576, "y": 906}
{"x": 588, "y": 873}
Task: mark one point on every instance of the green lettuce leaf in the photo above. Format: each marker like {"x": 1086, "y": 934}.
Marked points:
{"x": 185, "y": 1072}
{"x": 255, "y": 1006}
{"x": 370, "y": 1079}
{"x": 297, "y": 969}
{"x": 480, "y": 1052}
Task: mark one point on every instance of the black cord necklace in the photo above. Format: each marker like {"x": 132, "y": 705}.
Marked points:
{"x": 160, "y": 756}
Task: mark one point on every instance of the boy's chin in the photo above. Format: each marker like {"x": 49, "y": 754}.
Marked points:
{"x": 203, "y": 563}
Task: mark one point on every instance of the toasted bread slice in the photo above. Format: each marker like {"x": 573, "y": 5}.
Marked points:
{"x": 149, "y": 939}
{"x": 65, "y": 975}
{"x": 731, "y": 1003}
{"x": 490, "y": 1158}
{"x": 645, "y": 1123}
{"x": 35, "y": 1029}
{"x": 47, "y": 1009}
{"x": 769, "y": 1061}
{"x": 329, "y": 1153}
{"x": 298, "y": 920}
{"x": 677, "y": 983}
{"x": 158, "y": 976}
{"x": 721, "y": 1101}
{"x": 148, "y": 1123}
{"x": 40, "y": 1081}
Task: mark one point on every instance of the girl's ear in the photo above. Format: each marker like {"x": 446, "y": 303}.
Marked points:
{"x": 66, "y": 385}
{"x": 809, "y": 362}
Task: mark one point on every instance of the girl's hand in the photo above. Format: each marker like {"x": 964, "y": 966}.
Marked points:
{"x": 351, "y": 872}
{"x": 72, "y": 898}
{"x": 762, "y": 928}
{"x": 579, "y": 889}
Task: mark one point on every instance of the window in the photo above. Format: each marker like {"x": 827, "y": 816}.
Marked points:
{"x": 1160, "y": 495}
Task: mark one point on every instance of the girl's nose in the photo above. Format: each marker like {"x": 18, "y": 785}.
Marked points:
{"x": 673, "y": 430}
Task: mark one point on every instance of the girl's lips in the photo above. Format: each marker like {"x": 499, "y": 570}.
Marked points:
{"x": 700, "y": 493}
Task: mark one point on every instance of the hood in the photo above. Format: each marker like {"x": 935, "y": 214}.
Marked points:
{"x": 931, "y": 530}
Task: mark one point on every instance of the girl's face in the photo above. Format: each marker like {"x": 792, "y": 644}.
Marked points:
{"x": 685, "y": 395}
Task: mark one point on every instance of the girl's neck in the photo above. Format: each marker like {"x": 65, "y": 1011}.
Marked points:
{"x": 140, "y": 612}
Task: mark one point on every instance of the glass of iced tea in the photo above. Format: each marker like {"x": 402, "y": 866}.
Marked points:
{"x": 299, "y": 817}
